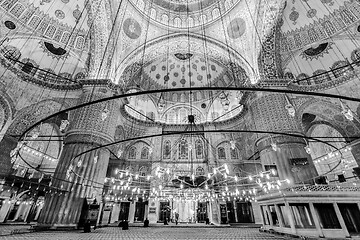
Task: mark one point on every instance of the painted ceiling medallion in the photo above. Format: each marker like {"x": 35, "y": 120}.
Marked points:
{"x": 236, "y": 28}
{"x": 132, "y": 28}
{"x": 294, "y": 15}
{"x": 311, "y": 13}
{"x": 59, "y": 14}
{"x": 77, "y": 13}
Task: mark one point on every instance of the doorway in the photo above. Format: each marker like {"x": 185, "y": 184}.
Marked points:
{"x": 351, "y": 214}
{"x": 139, "y": 212}
{"x": 124, "y": 211}
{"x": 244, "y": 212}
{"x": 165, "y": 211}
{"x": 231, "y": 212}
{"x": 223, "y": 214}
{"x": 13, "y": 211}
{"x": 202, "y": 212}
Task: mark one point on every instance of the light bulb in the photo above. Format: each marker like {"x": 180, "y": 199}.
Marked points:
{"x": 63, "y": 125}
{"x": 274, "y": 147}
{"x": 104, "y": 114}
{"x": 232, "y": 144}
{"x": 226, "y": 168}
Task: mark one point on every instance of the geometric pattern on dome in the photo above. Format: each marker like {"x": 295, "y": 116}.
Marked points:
{"x": 171, "y": 72}
{"x": 70, "y": 13}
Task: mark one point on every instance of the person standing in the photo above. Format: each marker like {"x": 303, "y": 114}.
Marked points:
{"x": 87, "y": 226}
{"x": 176, "y": 218}
{"x": 146, "y": 223}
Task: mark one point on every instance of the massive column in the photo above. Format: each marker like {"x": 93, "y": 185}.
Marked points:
{"x": 82, "y": 177}
{"x": 286, "y": 152}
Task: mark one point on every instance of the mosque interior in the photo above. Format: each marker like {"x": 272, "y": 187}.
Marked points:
{"x": 194, "y": 111}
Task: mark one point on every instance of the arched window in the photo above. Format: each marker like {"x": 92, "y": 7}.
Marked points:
{"x": 289, "y": 75}
{"x": 214, "y": 115}
{"x": 341, "y": 68}
{"x": 221, "y": 153}
{"x": 182, "y": 97}
{"x": 47, "y": 75}
{"x": 320, "y": 76}
{"x": 27, "y": 67}
{"x": 142, "y": 171}
{"x": 183, "y": 149}
{"x": 79, "y": 75}
{"x": 234, "y": 153}
{"x": 150, "y": 115}
{"x": 200, "y": 171}
{"x": 355, "y": 56}
{"x": 132, "y": 152}
{"x": 11, "y": 53}
{"x": 172, "y": 117}
{"x": 167, "y": 150}
{"x": 301, "y": 79}
{"x": 182, "y": 115}
{"x": 199, "y": 149}
{"x": 145, "y": 153}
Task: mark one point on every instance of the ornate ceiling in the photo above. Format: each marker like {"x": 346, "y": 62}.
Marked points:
{"x": 184, "y": 43}
{"x": 51, "y": 35}
{"x": 318, "y": 38}
{"x": 183, "y": 70}
{"x": 182, "y": 13}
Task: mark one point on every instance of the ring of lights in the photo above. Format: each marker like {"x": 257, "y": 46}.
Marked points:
{"x": 148, "y": 92}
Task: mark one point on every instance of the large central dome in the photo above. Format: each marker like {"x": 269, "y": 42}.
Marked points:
{"x": 184, "y": 70}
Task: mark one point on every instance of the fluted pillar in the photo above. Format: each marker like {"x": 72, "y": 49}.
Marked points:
{"x": 81, "y": 177}
{"x": 289, "y": 155}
